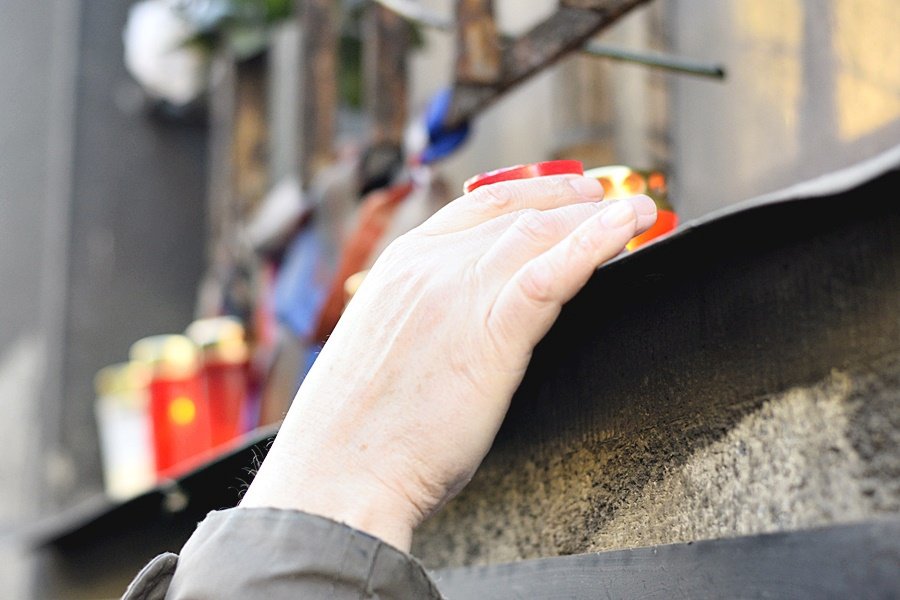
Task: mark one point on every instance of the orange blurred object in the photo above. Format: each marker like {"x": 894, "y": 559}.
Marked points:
{"x": 621, "y": 182}
{"x": 351, "y": 285}
{"x": 666, "y": 221}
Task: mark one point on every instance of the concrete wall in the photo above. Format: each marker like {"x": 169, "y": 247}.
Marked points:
{"x": 36, "y": 103}
{"x": 809, "y": 456}
{"x": 137, "y": 239}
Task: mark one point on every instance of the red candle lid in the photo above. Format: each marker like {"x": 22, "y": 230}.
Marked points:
{"x": 550, "y": 167}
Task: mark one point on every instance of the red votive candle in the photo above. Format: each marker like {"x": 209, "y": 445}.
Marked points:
{"x": 539, "y": 169}
{"x": 224, "y": 374}
{"x": 179, "y": 414}
{"x": 621, "y": 182}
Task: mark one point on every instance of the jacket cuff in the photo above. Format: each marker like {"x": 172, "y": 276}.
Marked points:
{"x": 275, "y": 553}
{"x": 152, "y": 583}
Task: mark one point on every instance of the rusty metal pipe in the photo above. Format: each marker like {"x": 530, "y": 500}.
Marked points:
{"x": 416, "y": 13}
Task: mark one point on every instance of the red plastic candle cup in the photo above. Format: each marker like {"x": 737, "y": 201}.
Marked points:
{"x": 179, "y": 414}
{"x": 539, "y": 169}
{"x": 224, "y": 374}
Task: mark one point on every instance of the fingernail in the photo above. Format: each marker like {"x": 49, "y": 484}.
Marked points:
{"x": 587, "y": 186}
{"x": 619, "y": 214}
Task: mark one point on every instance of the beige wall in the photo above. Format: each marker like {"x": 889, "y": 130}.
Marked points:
{"x": 812, "y": 86}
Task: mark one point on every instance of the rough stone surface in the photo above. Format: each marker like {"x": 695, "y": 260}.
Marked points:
{"x": 808, "y": 456}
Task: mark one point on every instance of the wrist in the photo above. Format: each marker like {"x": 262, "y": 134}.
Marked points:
{"x": 336, "y": 493}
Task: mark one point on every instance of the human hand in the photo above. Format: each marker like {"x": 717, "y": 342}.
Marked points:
{"x": 407, "y": 395}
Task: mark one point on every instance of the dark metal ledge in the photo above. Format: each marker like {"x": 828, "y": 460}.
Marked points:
{"x": 848, "y": 561}
{"x": 94, "y": 550}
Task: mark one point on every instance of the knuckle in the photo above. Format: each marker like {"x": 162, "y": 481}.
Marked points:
{"x": 536, "y": 285}
{"x": 562, "y": 184}
{"x": 580, "y": 243}
{"x": 556, "y": 186}
{"x": 495, "y": 197}
{"x": 534, "y": 224}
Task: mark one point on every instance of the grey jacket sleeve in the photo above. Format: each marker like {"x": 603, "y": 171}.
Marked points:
{"x": 272, "y": 554}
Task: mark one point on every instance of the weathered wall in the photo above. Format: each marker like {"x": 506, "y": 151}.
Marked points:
{"x": 822, "y": 454}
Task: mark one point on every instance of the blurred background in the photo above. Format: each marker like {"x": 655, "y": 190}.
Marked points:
{"x": 164, "y": 161}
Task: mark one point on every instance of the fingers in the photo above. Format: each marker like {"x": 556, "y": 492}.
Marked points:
{"x": 529, "y": 302}
{"x": 491, "y": 201}
{"x": 533, "y": 232}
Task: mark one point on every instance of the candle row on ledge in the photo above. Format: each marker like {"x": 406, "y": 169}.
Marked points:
{"x": 182, "y": 397}
{"x": 177, "y": 402}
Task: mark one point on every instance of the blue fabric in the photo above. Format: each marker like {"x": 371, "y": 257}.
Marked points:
{"x": 441, "y": 142}
{"x": 311, "y": 355}
{"x": 302, "y": 283}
